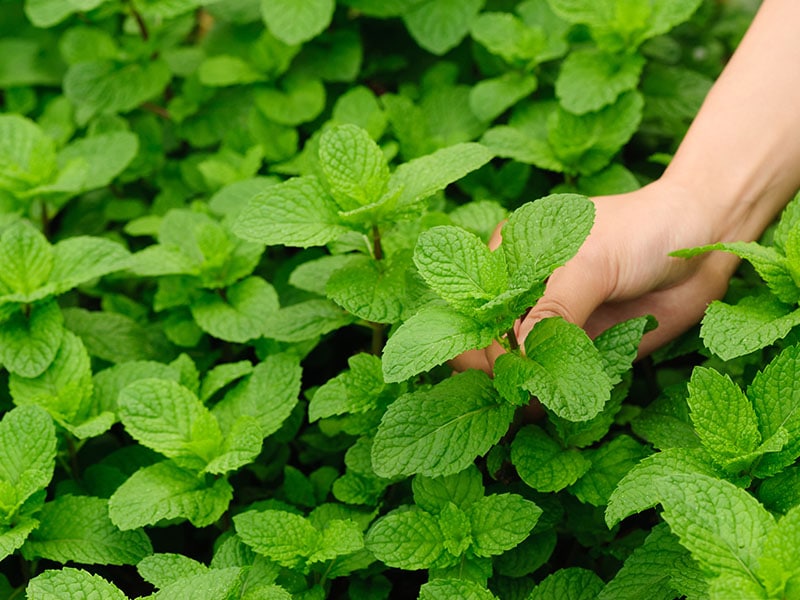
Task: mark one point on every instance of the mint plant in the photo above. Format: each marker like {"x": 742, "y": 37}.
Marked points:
{"x": 241, "y": 241}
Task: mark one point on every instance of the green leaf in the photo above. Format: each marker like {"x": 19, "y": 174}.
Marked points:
{"x": 241, "y": 446}
{"x": 462, "y": 489}
{"x": 619, "y": 344}
{"x": 28, "y": 451}
{"x": 769, "y": 263}
{"x": 637, "y": 491}
{"x": 420, "y": 178}
{"x": 408, "y": 539}
{"x": 354, "y": 166}
{"x": 720, "y": 524}
{"x": 224, "y": 70}
{"x": 297, "y": 212}
{"x": 28, "y": 344}
{"x": 46, "y": 13}
{"x": 442, "y": 430}
{"x": 281, "y": 536}
{"x": 12, "y": 538}
{"x": 573, "y": 583}
{"x": 166, "y": 491}
{"x": 356, "y": 390}
{"x": 165, "y": 416}
{"x": 299, "y": 99}
{"x": 775, "y": 394}
{"x": 239, "y": 315}
{"x": 297, "y": 21}
{"x": 27, "y": 258}
{"x": 440, "y": 25}
{"x": 591, "y": 79}
{"x": 509, "y": 37}
{"x": 455, "y": 527}
{"x": 216, "y": 584}
{"x": 369, "y": 289}
{"x": 305, "y": 321}
{"x": 80, "y": 259}
{"x": 162, "y": 569}
{"x": 610, "y": 463}
{"x": 650, "y": 570}
{"x": 542, "y": 463}
{"x": 778, "y": 560}
{"x": 221, "y": 375}
{"x": 93, "y": 162}
{"x": 726, "y": 434}
{"x": 501, "y": 522}
{"x": 27, "y": 154}
{"x": 75, "y": 584}
{"x": 445, "y": 589}
{"x": 102, "y": 86}
{"x": 64, "y": 389}
{"x": 755, "y": 322}
{"x": 544, "y": 234}
{"x": 268, "y": 395}
{"x": 78, "y": 529}
{"x": 459, "y": 267}
{"x": 429, "y": 338}
{"x": 562, "y": 368}
{"x": 490, "y": 98}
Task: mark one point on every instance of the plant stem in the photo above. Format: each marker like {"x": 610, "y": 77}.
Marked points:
{"x": 377, "y": 248}
{"x": 378, "y": 330}
{"x": 512, "y": 339}
{"x": 140, "y": 23}
{"x": 73, "y": 456}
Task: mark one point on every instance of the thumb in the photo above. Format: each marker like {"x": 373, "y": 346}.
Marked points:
{"x": 573, "y": 292}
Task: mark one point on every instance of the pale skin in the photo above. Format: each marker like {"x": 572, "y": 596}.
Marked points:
{"x": 736, "y": 168}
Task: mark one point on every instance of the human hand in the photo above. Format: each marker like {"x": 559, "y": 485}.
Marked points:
{"x": 624, "y": 270}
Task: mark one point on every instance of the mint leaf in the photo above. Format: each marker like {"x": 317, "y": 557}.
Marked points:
{"x": 297, "y": 212}
{"x": 420, "y": 178}
{"x": 78, "y": 529}
{"x": 268, "y": 395}
{"x": 166, "y": 491}
{"x": 28, "y": 443}
{"x": 27, "y": 154}
{"x": 445, "y": 589}
{"x": 356, "y": 390}
{"x": 295, "y": 22}
{"x": 304, "y": 321}
{"x": 104, "y": 86}
{"x": 242, "y": 445}
{"x": 93, "y": 162}
{"x": 281, "y": 536}
{"x": 459, "y": 267}
{"x": 774, "y": 394}
{"x": 440, "y": 25}
{"x": 165, "y": 416}
{"x": 238, "y": 313}
{"x": 509, "y": 37}
{"x": 610, "y": 463}
{"x": 501, "y": 522}
{"x": 772, "y": 266}
{"x": 637, "y": 491}
{"x": 619, "y": 344}
{"x": 354, "y": 166}
{"x": 28, "y": 259}
{"x": 12, "y": 538}
{"x": 490, "y": 98}
{"x": 164, "y": 569}
{"x": 221, "y": 375}
{"x": 429, "y": 338}
{"x": 75, "y": 584}
{"x": 755, "y": 322}
{"x": 649, "y": 572}
{"x": 542, "y": 463}
{"x": 408, "y": 539}
{"x": 65, "y": 388}
{"x": 370, "y": 289}
{"x": 462, "y": 489}
{"x": 543, "y": 235}
{"x": 573, "y": 583}
{"x": 726, "y": 434}
{"x": 213, "y": 585}
{"x": 720, "y": 524}
{"x": 83, "y": 258}
{"x": 455, "y": 527}
{"x": 562, "y": 369}
{"x": 778, "y": 559}
{"x": 29, "y": 344}
{"x": 440, "y": 431}
{"x": 591, "y": 79}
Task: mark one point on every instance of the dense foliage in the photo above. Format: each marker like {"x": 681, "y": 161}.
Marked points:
{"x": 240, "y": 240}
